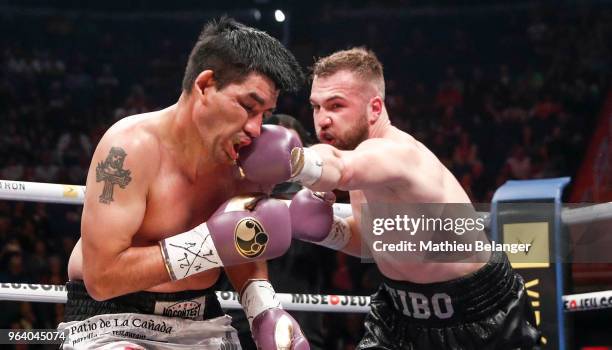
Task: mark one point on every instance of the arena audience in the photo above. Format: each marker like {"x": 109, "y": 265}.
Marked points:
{"x": 509, "y": 96}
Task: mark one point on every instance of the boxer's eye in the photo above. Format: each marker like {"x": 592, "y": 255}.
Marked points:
{"x": 247, "y": 108}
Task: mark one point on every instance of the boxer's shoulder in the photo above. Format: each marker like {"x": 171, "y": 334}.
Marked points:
{"x": 139, "y": 124}
{"x": 390, "y": 145}
{"x": 129, "y": 146}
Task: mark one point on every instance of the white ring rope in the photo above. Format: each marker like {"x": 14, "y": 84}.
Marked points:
{"x": 75, "y": 194}
{"x": 41, "y": 192}
{"x": 46, "y": 293}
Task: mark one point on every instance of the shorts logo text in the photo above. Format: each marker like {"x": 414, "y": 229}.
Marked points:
{"x": 191, "y": 309}
{"x": 419, "y": 306}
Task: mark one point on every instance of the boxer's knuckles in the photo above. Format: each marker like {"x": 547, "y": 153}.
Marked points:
{"x": 311, "y": 215}
{"x": 267, "y": 160}
{"x": 251, "y": 228}
{"x": 275, "y": 329}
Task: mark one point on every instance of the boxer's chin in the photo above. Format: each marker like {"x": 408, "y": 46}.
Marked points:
{"x": 352, "y": 139}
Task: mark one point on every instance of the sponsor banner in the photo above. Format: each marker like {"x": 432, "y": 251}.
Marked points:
{"x": 307, "y": 302}
{"x": 292, "y": 302}
{"x": 587, "y": 301}
{"x": 46, "y": 293}
{"x": 41, "y": 192}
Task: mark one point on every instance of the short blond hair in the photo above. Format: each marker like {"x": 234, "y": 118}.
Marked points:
{"x": 358, "y": 60}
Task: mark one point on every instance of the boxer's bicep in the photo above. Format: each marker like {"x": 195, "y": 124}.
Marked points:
{"x": 115, "y": 203}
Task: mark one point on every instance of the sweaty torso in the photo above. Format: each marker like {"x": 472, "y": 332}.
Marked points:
{"x": 418, "y": 190}
{"x": 176, "y": 204}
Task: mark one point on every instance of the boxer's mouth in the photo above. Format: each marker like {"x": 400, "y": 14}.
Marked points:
{"x": 326, "y": 138}
{"x": 232, "y": 151}
{"x": 236, "y": 149}
{"x": 237, "y": 144}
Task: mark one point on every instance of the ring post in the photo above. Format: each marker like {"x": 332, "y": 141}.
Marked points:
{"x": 529, "y": 211}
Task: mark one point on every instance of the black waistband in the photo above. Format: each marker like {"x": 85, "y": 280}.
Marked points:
{"x": 469, "y": 298}
{"x": 193, "y": 304}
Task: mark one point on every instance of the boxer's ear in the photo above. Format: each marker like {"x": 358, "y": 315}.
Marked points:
{"x": 375, "y": 108}
{"x": 204, "y": 81}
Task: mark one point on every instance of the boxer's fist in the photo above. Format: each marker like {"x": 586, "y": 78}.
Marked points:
{"x": 275, "y": 329}
{"x": 247, "y": 228}
{"x": 271, "y": 326}
{"x": 267, "y": 160}
{"x": 312, "y": 215}
{"x": 242, "y": 230}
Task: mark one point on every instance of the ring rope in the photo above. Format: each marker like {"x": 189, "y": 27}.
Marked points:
{"x": 46, "y": 293}
{"x": 75, "y": 194}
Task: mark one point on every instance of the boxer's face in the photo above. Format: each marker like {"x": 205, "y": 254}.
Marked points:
{"x": 340, "y": 107}
{"x": 233, "y": 115}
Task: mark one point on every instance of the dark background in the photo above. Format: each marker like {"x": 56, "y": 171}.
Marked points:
{"x": 497, "y": 90}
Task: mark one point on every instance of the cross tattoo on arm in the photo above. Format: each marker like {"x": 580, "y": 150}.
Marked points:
{"x": 112, "y": 173}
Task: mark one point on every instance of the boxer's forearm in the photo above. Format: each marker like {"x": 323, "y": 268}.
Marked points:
{"x": 142, "y": 268}
{"x": 238, "y": 275}
{"x": 135, "y": 269}
{"x": 374, "y": 163}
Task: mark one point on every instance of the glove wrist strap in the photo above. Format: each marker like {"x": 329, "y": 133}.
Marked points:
{"x": 189, "y": 252}
{"x": 256, "y": 297}
{"x": 306, "y": 165}
{"x": 339, "y": 235}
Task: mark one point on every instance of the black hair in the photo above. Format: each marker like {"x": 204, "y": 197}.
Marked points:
{"x": 291, "y": 123}
{"x": 232, "y": 50}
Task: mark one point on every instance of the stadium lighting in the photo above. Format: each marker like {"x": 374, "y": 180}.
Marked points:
{"x": 279, "y": 16}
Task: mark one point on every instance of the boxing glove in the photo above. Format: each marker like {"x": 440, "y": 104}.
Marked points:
{"x": 277, "y": 156}
{"x": 243, "y": 229}
{"x": 272, "y": 327}
{"x": 313, "y": 220}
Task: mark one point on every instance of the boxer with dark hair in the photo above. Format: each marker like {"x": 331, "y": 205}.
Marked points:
{"x": 480, "y": 304}
{"x": 166, "y": 208}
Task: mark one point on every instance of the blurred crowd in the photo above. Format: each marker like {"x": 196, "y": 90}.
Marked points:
{"x": 495, "y": 97}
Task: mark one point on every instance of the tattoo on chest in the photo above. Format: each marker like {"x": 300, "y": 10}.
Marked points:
{"x": 112, "y": 173}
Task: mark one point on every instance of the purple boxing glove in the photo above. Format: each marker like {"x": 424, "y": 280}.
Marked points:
{"x": 272, "y": 327}
{"x": 275, "y": 329}
{"x": 267, "y": 160}
{"x": 313, "y": 220}
{"x": 312, "y": 215}
{"x": 243, "y": 229}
